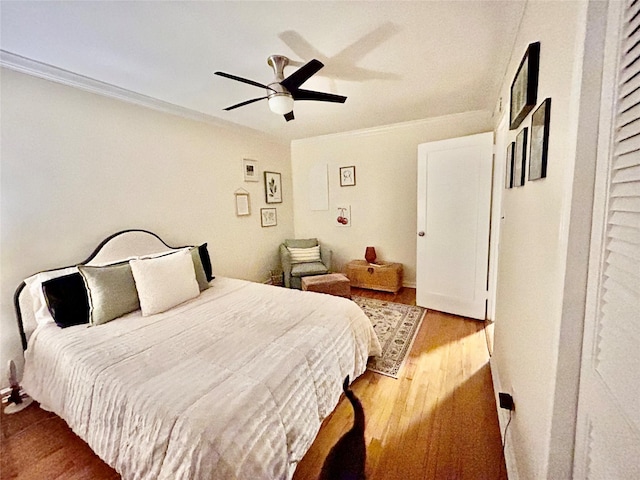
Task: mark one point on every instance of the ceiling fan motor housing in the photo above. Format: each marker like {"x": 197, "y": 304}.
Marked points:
{"x": 279, "y": 98}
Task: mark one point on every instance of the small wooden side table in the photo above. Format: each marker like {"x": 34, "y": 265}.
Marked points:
{"x": 385, "y": 276}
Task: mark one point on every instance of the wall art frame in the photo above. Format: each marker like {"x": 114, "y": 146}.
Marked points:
{"x": 508, "y": 172}
{"x": 343, "y": 215}
{"x": 348, "y": 176}
{"x": 268, "y": 217}
{"x": 524, "y": 88}
{"x": 272, "y": 187}
{"x": 250, "y": 170}
{"x": 243, "y": 205}
{"x": 539, "y": 141}
{"x": 520, "y": 158}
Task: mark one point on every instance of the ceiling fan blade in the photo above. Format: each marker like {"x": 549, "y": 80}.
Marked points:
{"x": 244, "y": 103}
{"x": 289, "y": 116}
{"x": 301, "y": 75}
{"x": 317, "y": 96}
{"x": 243, "y": 80}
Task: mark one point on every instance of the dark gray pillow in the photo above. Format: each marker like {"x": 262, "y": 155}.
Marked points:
{"x": 206, "y": 262}
{"x": 67, "y": 300}
{"x": 111, "y": 291}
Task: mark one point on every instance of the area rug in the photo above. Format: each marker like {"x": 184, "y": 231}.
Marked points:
{"x": 396, "y": 325}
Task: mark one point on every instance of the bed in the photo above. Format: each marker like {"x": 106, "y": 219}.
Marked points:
{"x": 232, "y": 383}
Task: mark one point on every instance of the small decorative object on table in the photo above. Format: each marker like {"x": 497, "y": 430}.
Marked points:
{"x": 370, "y": 254}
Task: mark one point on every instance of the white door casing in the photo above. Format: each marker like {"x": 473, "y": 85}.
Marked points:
{"x": 454, "y": 203}
{"x": 608, "y": 421}
{"x": 497, "y": 210}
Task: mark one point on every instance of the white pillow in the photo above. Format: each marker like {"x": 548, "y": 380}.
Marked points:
{"x": 34, "y": 283}
{"x": 305, "y": 255}
{"x": 164, "y": 282}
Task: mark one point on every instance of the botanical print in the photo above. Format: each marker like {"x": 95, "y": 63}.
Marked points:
{"x": 268, "y": 217}
{"x": 272, "y": 187}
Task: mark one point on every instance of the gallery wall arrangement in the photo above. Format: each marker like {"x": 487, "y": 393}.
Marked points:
{"x": 535, "y": 139}
{"x": 272, "y": 193}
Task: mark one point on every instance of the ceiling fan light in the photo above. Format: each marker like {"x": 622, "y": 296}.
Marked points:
{"x": 281, "y": 103}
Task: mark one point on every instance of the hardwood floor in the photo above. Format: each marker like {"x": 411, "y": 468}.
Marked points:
{"x": 436, "y": 421}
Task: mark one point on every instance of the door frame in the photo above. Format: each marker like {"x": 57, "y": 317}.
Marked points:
{"x": 500, "y": 141}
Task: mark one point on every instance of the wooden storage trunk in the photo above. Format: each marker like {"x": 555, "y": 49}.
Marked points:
{"x": 385, "y": 276}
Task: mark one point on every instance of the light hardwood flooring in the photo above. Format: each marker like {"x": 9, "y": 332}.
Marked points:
{"x": 436, "y": 421}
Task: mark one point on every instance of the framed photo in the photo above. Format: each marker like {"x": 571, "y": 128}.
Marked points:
{"x": 519, "y": 158}
{"x": 347, "y": 176}
{"x": 539, "y": 141}
{"x": 250, "y": 169}
{"x": 242, "y": 204}
{"x": 272, "y": 187}
{"x": 268, "y": 217}
{"x": 524, "y": 88}
{"x": 508, "y": 177}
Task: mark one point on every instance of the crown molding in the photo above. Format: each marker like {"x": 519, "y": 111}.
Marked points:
{"x": 45, "y": 71}
{"x": 382, "y": 129}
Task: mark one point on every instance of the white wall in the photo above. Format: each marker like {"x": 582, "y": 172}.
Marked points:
{"x": 383, "y": 201}
{"x": 77, "y": 167}
{"x": 542, "y": 257}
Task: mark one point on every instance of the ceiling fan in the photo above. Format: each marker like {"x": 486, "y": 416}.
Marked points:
{"x": 282, "y": 92}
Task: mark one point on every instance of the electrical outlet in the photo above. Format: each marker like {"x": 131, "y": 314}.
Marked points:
{"x": 506, "y": 401}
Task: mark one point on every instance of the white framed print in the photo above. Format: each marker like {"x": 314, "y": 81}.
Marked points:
{"x": 242, "y": 204}
{"x": 250, "y": 170}
{"x": 268, "y": 217}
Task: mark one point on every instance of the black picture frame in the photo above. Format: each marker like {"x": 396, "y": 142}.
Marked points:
{"x": 508, "y": 177}
{"x": 524, "y": 88}
{"x": 520, "y": 158}
{"x": 539, "y": 141}
{"x": 348, "y": 176}
{"x": 272, "y": 187}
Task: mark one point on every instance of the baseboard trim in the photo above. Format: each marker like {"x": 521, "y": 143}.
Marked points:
{"x": 503, "y": 418}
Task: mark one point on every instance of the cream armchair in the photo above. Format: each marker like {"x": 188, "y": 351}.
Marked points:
{"x": 294, "y": 270}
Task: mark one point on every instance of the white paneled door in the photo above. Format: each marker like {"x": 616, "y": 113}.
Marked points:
{"x": 454, "y": 206}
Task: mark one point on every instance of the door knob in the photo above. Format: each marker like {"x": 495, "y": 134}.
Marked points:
{"x": 421, "y": 233}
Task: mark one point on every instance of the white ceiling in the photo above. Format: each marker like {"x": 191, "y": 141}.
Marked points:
{"x": 395, "y": 61}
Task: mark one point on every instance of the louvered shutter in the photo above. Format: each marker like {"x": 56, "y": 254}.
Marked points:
{"x": 608, "y": 428}
{"x": 620, "y": 285}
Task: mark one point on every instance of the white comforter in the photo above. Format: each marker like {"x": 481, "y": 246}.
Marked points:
{"x": 231, "y": 385}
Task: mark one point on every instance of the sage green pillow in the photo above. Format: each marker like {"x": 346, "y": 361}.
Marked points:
{"x": 201, "y": 276}
{"x": 111, "y": 291}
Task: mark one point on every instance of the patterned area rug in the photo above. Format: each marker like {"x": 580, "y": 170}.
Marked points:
{"x": 396, "y": 325}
